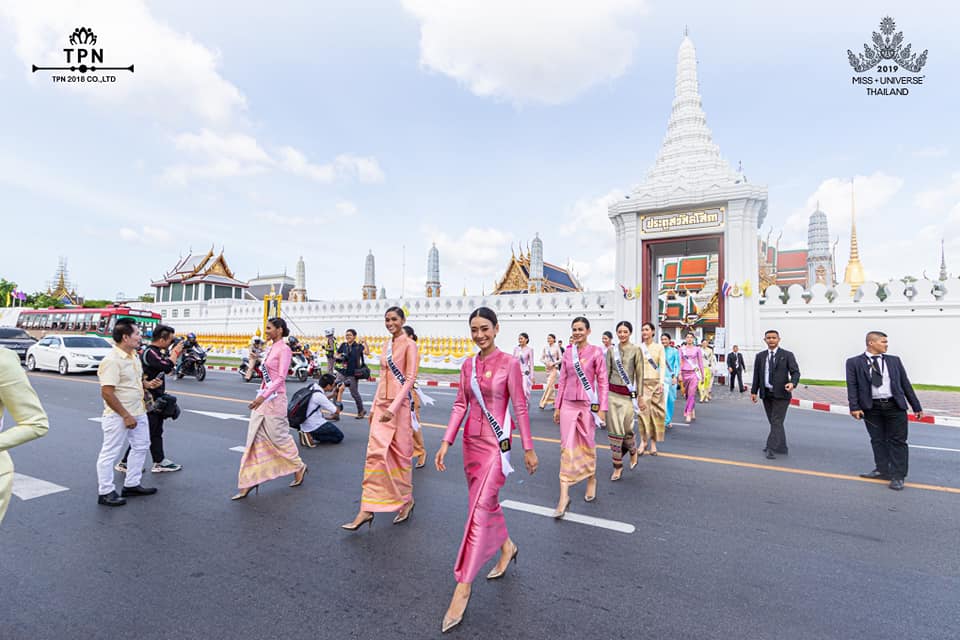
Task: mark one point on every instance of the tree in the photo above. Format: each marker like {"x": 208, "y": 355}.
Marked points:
{"x": 41, "y": 300}
{"x": 147, "y": 297}
{"x": 96, "y": 304}
{"x": 5, "y": 289}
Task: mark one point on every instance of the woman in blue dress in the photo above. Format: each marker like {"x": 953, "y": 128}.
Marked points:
{"x": 670, "y": 376}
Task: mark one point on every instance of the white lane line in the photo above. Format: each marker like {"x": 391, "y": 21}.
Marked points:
{"x": 238, "y": 449}
{"x": 613, "y": 525}
{"x": 98, "y": 419}
{"x": 28, "y": 487}
{"x": 221, "y": 416}
{"x": 921, "y": 446}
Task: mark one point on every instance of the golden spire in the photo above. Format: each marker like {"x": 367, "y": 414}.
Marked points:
{"x": 853, "y": 276}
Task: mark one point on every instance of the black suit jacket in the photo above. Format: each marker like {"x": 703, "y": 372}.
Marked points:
{"x": 735, "y": 361}
{"x": 859, "y": 387}
{"x": 784, "y": 370}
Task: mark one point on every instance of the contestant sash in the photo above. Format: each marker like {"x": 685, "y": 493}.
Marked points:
{"x": 502, "y": 433}
{"x": 524, "y": 364}
{"x": 266, "y": 374}
{"x": 395, "y": 370}
{"x": 591, "y": 392}
{"x": 648, "y": 356}
{"x": 692, "y": 359}
{"x": 623, "y": 375}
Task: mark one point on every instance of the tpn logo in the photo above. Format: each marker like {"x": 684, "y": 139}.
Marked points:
{"x": 84, "y": 56}
{"x": 887, "y": 54}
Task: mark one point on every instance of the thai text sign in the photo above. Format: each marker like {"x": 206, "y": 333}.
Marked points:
{"x": 663, "y": 222}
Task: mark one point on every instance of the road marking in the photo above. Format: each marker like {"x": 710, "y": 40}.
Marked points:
{"x": 613, "y": 525}
{"x": 922, "y": 446}
{"x": 221, "y": 416}
{"x": 28, "y": 487}
{"x": 678, "y": 456}
{"x": 238, "y": 449}
{"x": 97, "y": 419}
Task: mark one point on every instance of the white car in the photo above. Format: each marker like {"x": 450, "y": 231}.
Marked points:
{"x": 67, "y": 353}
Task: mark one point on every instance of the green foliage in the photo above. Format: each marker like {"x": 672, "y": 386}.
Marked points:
{"x": 96, "y": 304}
{"x": 147, "y": 297}
{"x": 41, "y": 300}
{"x": 5, "y": 288}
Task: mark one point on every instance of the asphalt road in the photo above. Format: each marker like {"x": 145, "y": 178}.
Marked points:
{"x": 725, "y": 544}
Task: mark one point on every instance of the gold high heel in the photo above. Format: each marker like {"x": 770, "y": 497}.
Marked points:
{"x": 307, "y": 441}
{"x": 587, "y": 497}
{"x": 245, "y": 492}
{"x": 494, "y": 574}
{"x": 353, "y": 527}
{"x": 297, "y": 482}
{"x": 403, "y": 517}
{"x": 559, "y": 513}
{"x": 450, "y": 623}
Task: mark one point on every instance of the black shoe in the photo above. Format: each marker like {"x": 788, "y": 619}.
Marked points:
{"x": 111, "y": 500}
{"x": 896, "y": 484}
{"x": 138, "y": 490}
{"x": 770, "y": 455}
{"x": 875, "y": 475}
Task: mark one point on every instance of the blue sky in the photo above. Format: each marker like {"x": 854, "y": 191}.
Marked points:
{"x": 327, "y": 129}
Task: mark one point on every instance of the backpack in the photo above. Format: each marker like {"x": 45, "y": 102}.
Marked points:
{"x": 298, "y": 404}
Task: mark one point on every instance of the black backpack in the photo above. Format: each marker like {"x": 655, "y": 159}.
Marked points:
{"x": 298, "y": 404}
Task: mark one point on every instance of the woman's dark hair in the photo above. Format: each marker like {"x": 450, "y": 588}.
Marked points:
{"x": 586, "y": 323}
{"x": 281, "y": 324}
{"x": 625, "y": 323}
{"x": 666, "y": 335}
{"x": 122, "y": 328}
{"x": 523, "y": 334}
{"x": 410, "y": 333}
{"x": 649, "y": 324}
{"x": 486, "y": 313}
{"x": 550, "y": 335}
{"x": 396, "y": 310}
{"x": 689, "y": 334}
{"x": 608, "y": 334}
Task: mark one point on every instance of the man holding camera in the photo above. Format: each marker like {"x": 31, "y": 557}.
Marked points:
{"x": 349, "y": 363}
{"x": 157, "y": 363}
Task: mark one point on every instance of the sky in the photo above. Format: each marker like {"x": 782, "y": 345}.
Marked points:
{"x": 328, "y": 130}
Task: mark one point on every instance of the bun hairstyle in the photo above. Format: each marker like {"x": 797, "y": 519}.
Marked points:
{"x": 524, "y": 335}
{"x": 396, "y": 310}
{"x": 608, "y": 334}
{"x": 281, "y": 324}
{"x": 486, "y": 313}
{"x": 625, "y": 323}
{"x": 410, "y": 333}
{"x": 649, "y": 324}
{"x": 586, "y": 323}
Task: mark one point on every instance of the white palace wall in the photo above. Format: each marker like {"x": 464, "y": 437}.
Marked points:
{"x": 919, "y": 320}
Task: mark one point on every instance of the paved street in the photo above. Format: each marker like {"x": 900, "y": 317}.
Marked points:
{"x": 721, "y": 544}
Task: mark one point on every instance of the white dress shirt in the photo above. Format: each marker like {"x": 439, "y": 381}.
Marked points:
{"x": 315, "y": 417}
{"x": 884, "y": 390}
{"x": 766, "y": 367}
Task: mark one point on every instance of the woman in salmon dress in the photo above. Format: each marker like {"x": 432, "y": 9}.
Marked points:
{"x": 270, "y": 451}
{"x": 500, "y": 381}
{"x": 388, "y": 470}
{"x": 579, "y": 411}
{"x": 691, "y": 372}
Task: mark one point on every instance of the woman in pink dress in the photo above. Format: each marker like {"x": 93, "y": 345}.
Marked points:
{"x": 485, "y": 461}
{"x": 581, "y": 407}
{"x": 270, "y": 451}
{"x": 524, "y": 354}
{"x": 691, "y": 372}
{"x": 388, "y": 471}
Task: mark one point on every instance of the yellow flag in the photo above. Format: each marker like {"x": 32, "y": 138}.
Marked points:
{"x": 747, "y": 289}
{"x": 637, "y": 290}
{"x": 8, "y": 299}
{"x": 406, "y": 312}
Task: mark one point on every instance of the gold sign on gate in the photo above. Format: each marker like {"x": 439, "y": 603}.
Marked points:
{"x": 677, "y": 221}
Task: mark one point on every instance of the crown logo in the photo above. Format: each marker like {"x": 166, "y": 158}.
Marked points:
{"x": 888, "y": 46}
{"x": 82, "y": 35}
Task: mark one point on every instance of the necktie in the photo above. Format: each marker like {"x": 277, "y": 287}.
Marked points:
{"x": 876, "y": 375}
{"x": 769, "y": 368}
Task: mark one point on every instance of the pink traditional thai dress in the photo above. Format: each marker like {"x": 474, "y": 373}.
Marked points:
{"x": 691, "y": 372}
{"x": 387, "y": 472}
{"x": 270, "y": 450}
{"x": 500, "y": 380}
{"x": 525, "y": 356}
{"x": 578, "y": 448}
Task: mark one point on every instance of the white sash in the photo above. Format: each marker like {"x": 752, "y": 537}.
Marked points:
{"x": 696, "y": 370}
{"x": 646, "y": 354}
{"x": 502, "y": 433}
{"x": 623, "y": 375}
{"x": 524, "y": 364}
{"x": 266, "y": 374}
{"x": 591, "y": 392}
{"x": 395, "y": 370}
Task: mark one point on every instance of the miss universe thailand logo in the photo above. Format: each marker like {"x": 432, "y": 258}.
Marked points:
{"x": 887, "y": 53}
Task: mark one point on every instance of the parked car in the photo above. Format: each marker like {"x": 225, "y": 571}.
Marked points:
{"x": 67, "y": 353}
{"x": 17, "y": 340}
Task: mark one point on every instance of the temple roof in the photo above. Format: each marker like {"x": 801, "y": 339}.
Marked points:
{"x": 516, "y": 278}
{"x": 198, "y": 268}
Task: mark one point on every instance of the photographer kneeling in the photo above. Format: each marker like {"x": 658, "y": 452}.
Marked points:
{"x": 317, "y": 427}
{"x": 157, "y": 362}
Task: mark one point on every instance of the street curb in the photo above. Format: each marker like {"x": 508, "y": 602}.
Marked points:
{"x": 842, "y": 409}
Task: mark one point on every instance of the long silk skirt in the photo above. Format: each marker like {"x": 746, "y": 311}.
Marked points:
{"x": 548, "y": 391}
{"x": 705, "y": 384}
{"x": 270, "y": 451}
{"x": 578, "y": 447}
{"x": 671, "y": 389}
{"x": 653, "y": 418}
{"x": 486, "y": 528}
{"x": 690, "y": 388}
{"x": 387, "y": 472}
{"x": 620, "y": 418}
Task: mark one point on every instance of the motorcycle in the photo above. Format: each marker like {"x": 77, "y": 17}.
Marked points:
{"x": 299, "y": 367}
{"x": 245, "y": 366}
{"x": 194, "y": 364}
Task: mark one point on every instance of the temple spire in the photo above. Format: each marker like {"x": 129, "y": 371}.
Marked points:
{"x": 854, "y": 273}
{"x": 943, "y": 262}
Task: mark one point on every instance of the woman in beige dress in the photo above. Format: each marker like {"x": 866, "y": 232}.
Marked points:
{"x": 652, "y": 405}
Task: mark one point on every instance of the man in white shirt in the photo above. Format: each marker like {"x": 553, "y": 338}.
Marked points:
{"x": 320, "y": 411}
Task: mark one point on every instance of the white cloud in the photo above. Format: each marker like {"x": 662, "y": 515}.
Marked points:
{"x": 223, "y": 155}
{"x": 151, "y": 236}
{"x": 346, "y": 208}
{"x": 344, "y": 166}
{"x": 591, "y": 215}
{"x": 944, "y": 199}
{"x": 364, "y": 169}
{"x": 174, "y": 76}
{"x": 872, "y": 192}
{"x": 527, "y": 50}
{"x": 477, "y": 252}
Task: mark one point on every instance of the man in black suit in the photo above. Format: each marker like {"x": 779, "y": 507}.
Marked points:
{"x": 775, "y": 374}
{"x": 878, "y": 391}
{"x": 736, "y": 368}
